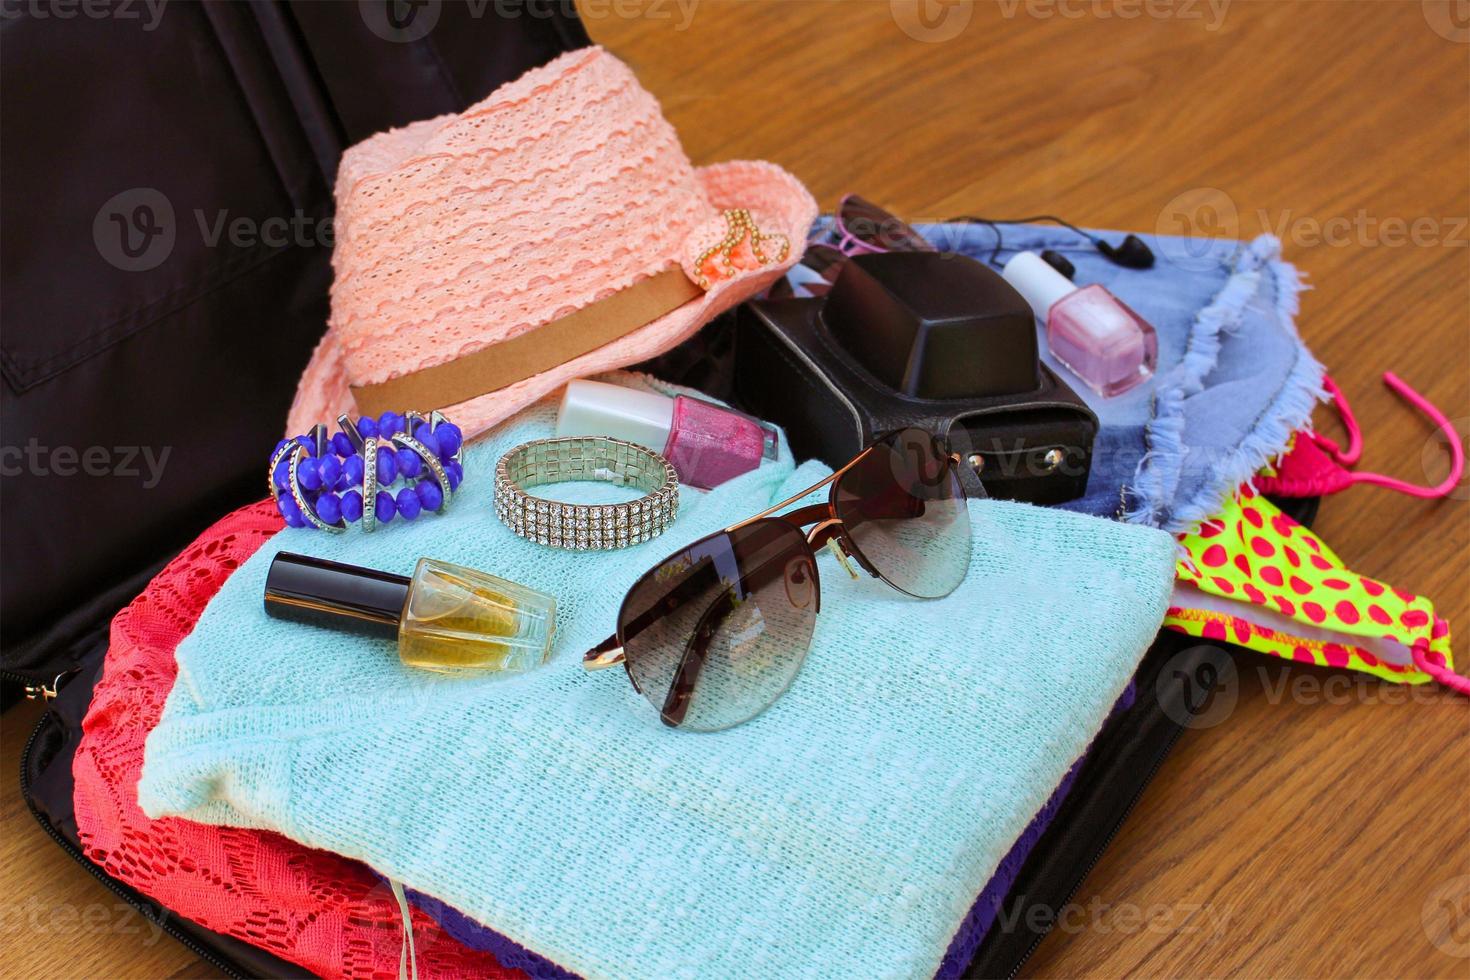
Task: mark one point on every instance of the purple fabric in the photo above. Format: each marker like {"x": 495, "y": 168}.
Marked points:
{"x": 982, "y": 913}
{"x": 961, "y": 949}
{"x": 472, "y": 934}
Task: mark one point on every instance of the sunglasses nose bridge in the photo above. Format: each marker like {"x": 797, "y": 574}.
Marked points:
{"x": 826, "y": 529}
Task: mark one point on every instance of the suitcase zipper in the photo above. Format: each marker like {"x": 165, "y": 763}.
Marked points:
{"x": 1107, "y": 841}
{"x": 33, "y": 688}
{"x": 142, "y": 905}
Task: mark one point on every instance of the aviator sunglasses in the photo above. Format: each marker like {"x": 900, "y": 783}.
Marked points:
{"x": 716, "y": 632}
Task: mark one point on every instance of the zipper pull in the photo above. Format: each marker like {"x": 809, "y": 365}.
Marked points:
{"x": 41, "y": 691}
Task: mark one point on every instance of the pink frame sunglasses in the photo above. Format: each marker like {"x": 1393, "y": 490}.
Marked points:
{"x": 863, "y": 228}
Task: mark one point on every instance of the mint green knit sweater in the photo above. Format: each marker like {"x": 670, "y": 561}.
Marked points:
{"x": 843, "y": 833}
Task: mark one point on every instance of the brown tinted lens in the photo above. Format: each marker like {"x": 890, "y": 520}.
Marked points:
{"x": 716, "y": 633}
{"x": 903, "y": 508}
{"x": 873, "y": 226}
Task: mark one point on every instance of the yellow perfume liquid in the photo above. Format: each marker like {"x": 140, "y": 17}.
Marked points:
{"x": 458, "y": 619}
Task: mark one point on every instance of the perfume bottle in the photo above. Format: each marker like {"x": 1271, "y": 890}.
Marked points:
{"x": 708, "y": 444}
{"x": 445, "y": 617}
{"x": 1089, "y": 330}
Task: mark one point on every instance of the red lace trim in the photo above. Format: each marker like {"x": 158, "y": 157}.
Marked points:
{"x": 319, "y": 910}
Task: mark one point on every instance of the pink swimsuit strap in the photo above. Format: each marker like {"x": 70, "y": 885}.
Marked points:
{"x": 1347, "y": 457}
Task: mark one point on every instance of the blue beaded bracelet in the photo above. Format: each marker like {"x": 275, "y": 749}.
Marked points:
{"x": 329, "y": 483}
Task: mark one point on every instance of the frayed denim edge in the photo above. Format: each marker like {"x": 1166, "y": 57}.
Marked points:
{"x": 1156, "y": 481}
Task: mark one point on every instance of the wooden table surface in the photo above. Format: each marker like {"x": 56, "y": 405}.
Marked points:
{"x": 1321, "y": 828}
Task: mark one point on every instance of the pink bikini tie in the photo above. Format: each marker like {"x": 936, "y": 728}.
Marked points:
{"x": 1317, "y": 465}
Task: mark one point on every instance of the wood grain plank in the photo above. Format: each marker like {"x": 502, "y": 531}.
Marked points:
{"x": 56, "y": 920}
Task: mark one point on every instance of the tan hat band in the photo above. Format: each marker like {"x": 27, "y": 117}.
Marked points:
{"x": 533, "y": 352}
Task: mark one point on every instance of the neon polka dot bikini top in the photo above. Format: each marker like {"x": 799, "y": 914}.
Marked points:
{"x": 1255, "y": 577}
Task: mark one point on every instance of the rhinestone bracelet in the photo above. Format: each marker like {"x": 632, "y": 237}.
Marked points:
{"x": 585, "y": 526}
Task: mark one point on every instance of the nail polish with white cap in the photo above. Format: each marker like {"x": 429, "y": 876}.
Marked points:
{"x": 708, "y": 444}
{"x": 1093, "y": 333}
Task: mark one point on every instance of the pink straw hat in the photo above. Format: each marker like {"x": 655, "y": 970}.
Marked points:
{"x": 554, "y": 230}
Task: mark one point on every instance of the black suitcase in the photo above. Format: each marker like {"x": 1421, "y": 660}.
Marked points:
{"x": 244, "y": 109}
{"x": 165, "y": 253}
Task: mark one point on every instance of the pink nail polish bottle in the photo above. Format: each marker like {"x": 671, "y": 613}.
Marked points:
{"x": 708, "y": 444}
{"x": 1089, "y": 330}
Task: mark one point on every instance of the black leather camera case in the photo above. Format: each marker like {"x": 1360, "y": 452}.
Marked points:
{"x": 1033, "y": 445}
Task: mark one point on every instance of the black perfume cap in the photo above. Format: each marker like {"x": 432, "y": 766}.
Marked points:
{"x": 338, "y": 596}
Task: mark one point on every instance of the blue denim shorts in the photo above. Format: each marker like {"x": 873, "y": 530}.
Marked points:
{"x": 1234, "y": 380}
